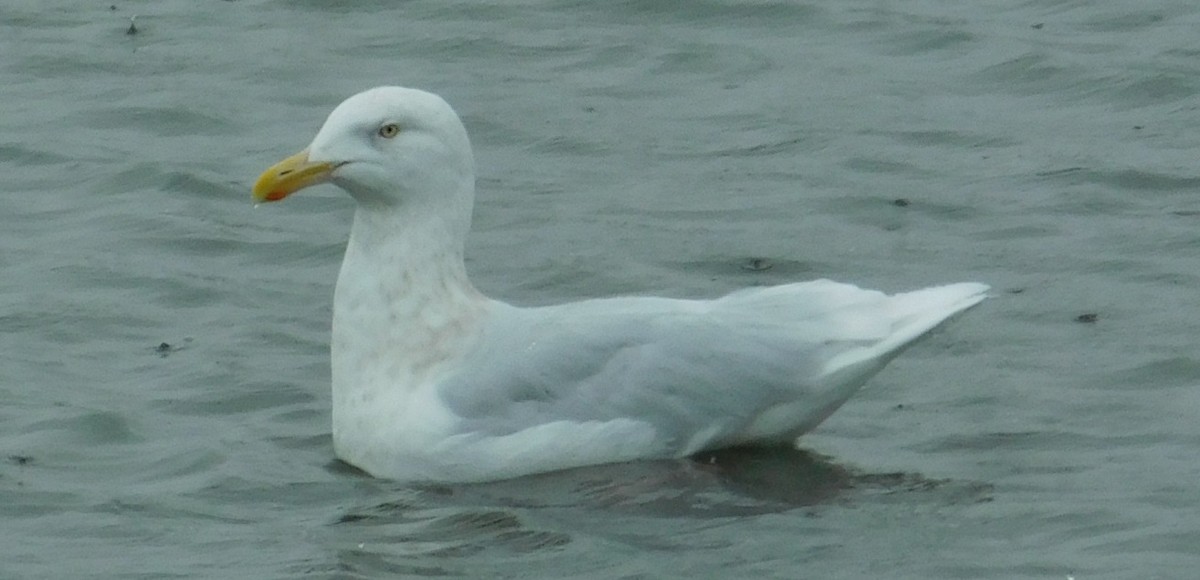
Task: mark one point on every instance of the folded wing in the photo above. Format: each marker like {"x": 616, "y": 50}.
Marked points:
{"x": 758, "y": 365}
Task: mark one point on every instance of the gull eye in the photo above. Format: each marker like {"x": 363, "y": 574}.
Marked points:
{"x": 390, "y": 130}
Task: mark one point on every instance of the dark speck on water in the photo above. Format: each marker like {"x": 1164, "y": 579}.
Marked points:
{"x": 900, "y": 202}
{"x": 1088, "y": 317}
{"x": 757, "y": 264}
{"x": 165, "y": 348}
{"x": 133, "y": 29}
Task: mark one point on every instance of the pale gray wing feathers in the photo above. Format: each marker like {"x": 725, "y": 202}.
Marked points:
{"x": 685, "y": 366}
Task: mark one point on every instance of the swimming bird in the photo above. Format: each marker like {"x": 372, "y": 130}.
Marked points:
{"x": 433, "y": 381}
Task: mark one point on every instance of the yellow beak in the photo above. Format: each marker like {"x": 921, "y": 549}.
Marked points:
{"x": 289, "y": 176}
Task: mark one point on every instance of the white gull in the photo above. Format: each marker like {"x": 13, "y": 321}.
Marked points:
{"x": 434, "y": 381}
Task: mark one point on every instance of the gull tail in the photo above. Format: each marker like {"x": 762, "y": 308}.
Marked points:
{"x": 913, "y": 314}
{"x": 920, "y": 311}
{"x": 873, "y": 329}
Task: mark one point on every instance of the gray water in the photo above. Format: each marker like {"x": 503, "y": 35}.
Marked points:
{"x": 164, "y": 407}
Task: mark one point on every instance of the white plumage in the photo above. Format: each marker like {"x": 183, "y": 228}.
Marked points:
{"x": 434, "y": 381}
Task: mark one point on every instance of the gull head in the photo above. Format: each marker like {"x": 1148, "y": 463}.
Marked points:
{"x": 388, "y": 147}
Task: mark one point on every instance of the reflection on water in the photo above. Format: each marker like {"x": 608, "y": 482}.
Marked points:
{"x": 731, "y": 482}
{"x": 627, "y": 503}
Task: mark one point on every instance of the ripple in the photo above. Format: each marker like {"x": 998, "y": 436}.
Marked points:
{"x": 1166, "y": 373}
{"x": 90, "y": 428}
{"x": 931, "y": 40}
{"x": 29, "y": 156}
{"x": 158, "y": 121}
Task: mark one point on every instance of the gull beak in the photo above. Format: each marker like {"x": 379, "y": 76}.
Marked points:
{"x": 291, "y": 175}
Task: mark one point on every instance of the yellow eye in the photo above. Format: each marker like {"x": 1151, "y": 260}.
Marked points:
{"x": 390, "y": 130}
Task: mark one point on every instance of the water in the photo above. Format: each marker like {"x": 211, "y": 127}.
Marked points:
{"x": 164, "y": 382}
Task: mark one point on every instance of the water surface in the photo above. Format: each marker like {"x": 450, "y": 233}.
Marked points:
{"x": 164, "y": 384}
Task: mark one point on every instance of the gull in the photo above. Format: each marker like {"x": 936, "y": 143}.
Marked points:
{"x": 433, "y": 381}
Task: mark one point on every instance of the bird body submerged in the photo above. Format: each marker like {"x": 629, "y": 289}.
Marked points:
{"x": 434, "y": 381}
